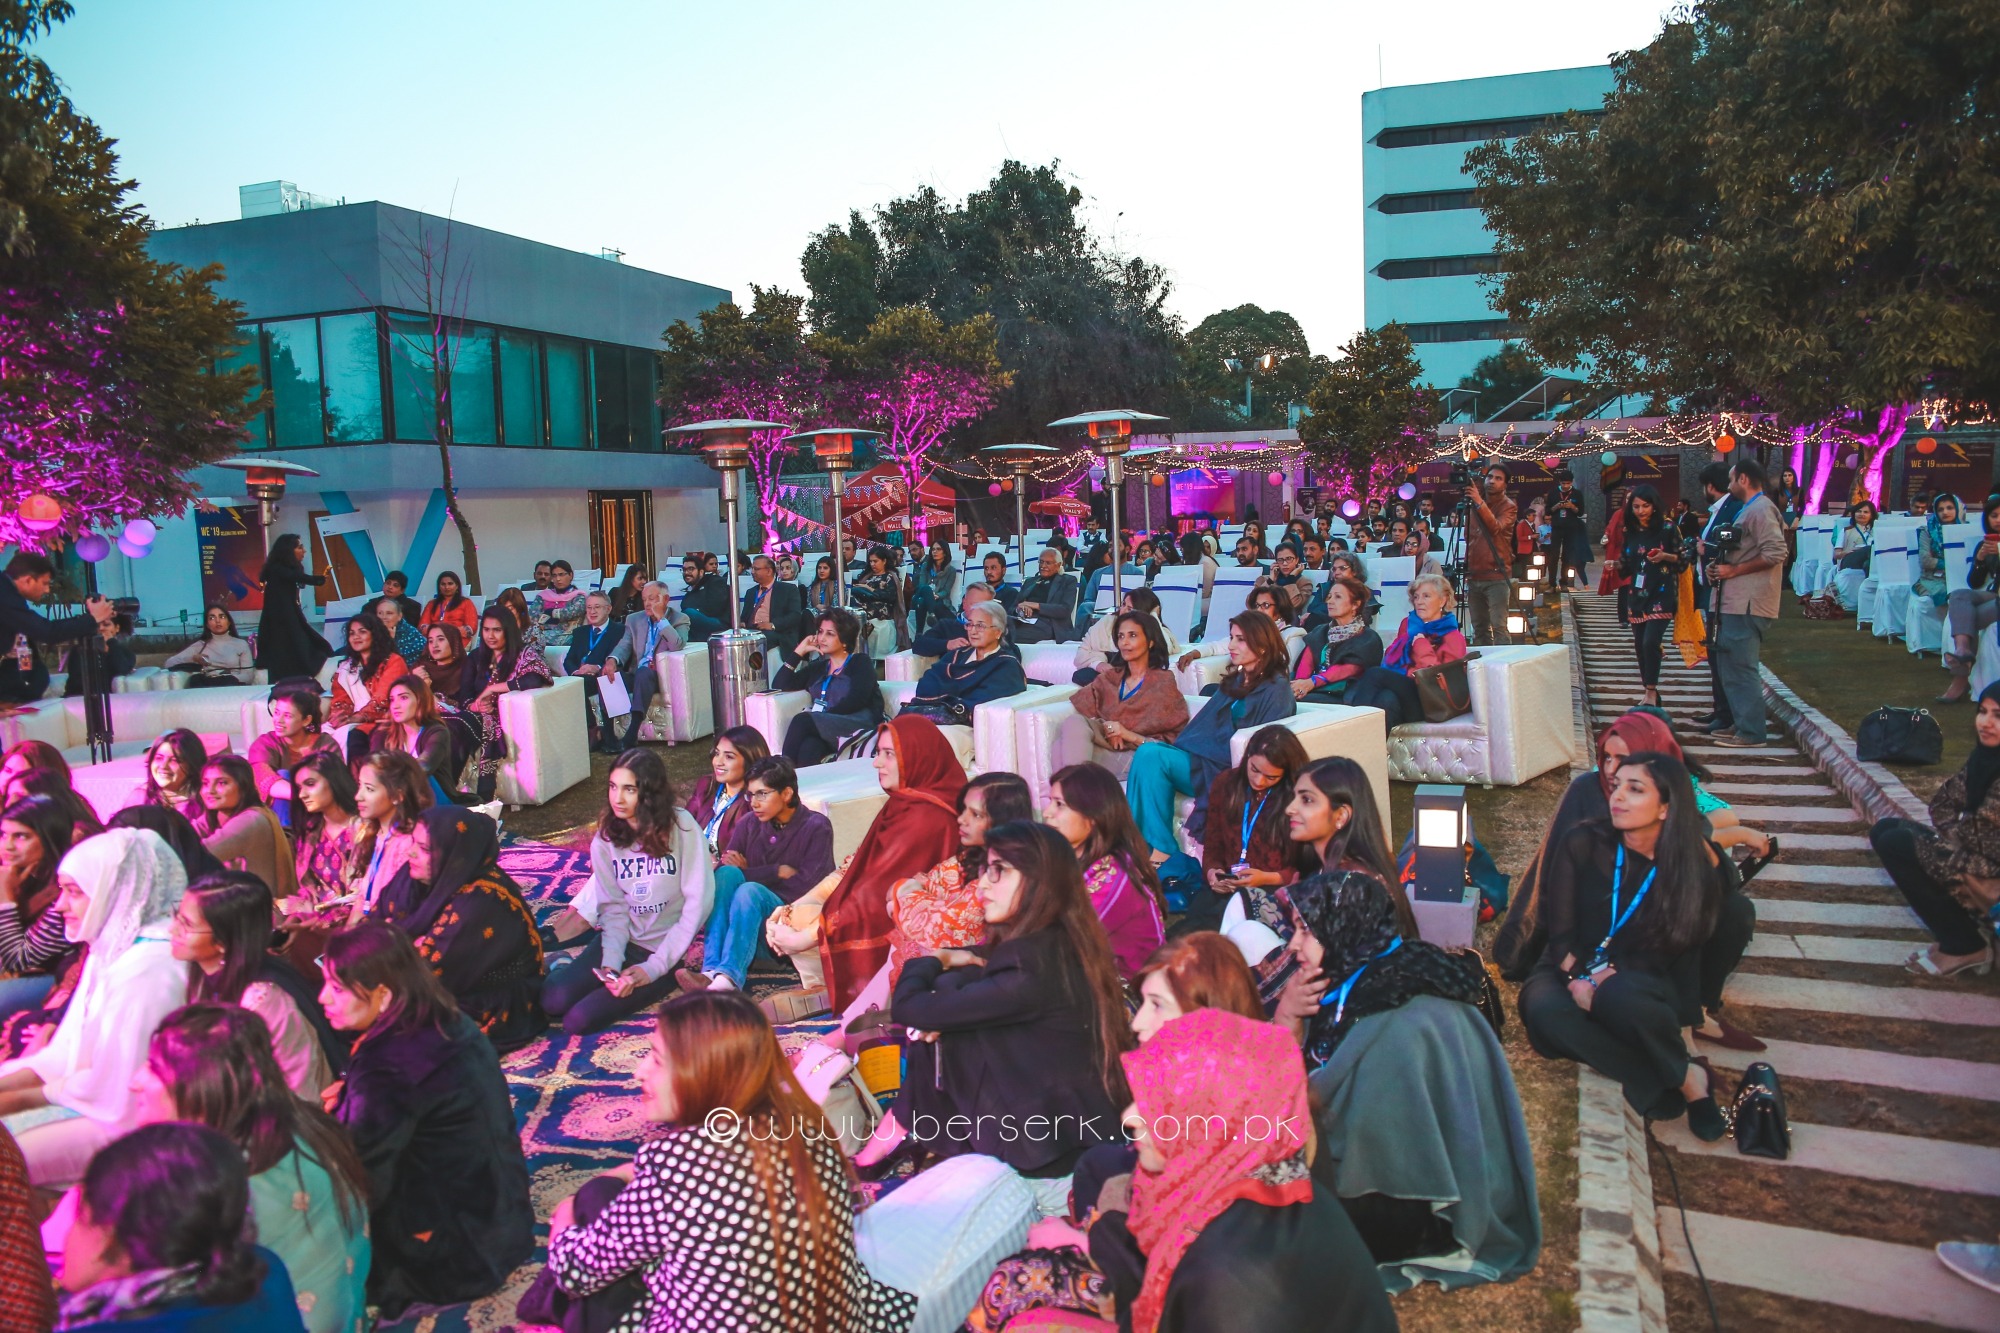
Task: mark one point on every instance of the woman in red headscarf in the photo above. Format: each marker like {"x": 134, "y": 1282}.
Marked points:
{"x": 839, "y": 930}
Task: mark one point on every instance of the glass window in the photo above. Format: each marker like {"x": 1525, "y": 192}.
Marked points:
{"x": 294, "y": 347}
{"x": 642, "y": 370}
{"x": 614, "y": 428}
{"x": 472, "y": 414}
{"x": 353, "y": 377}
{"x": 411, "y": 387}
{"x": 520, "y": 389}
{"x": 248, "y": 353}
{"x": 569, "y": 421}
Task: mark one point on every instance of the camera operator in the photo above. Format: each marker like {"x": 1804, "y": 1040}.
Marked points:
{"x": 1486, "y": 566}
{"x": 1722, "y": 510}
{"x": 1748, "y": 575}
{"x": 29, "y": 579}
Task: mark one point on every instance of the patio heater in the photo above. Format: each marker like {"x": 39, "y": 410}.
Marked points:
{"x": 1144, "y": 464}
{"x": 1021, "y": 460}
{"x": 833, "y": 454}
{"x": 1110, "y": 437}
{"x": 735, "y": 657}
{"x": 264, "y": 479}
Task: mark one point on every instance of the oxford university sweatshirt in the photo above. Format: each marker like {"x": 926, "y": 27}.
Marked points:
{"x": 655, "y": 903}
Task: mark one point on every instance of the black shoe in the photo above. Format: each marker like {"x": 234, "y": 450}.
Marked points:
{"x": 1704, "y": 720}
{"x": 1705, "y": 1119}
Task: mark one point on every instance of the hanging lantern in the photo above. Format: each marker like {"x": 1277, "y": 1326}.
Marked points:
{"x": 140, "y": 532}
{"x": 1408, "y": 490}
{"x": 1276, "y": 478}
{"x": 41, "y": 513}
{"x": 1552, "y": 462}
{"x": 1607, "y": 458}
{"x": 1007, "y": 485}
{"x": 133, "y": 549}
{"x": 93, "y": 547}
{"x": 1927, "y": 445}
{"x": 993, "y": 489}
{"x": 1852, "y": 460}
{"x": 1724, "y": 443}
{"x": 1157, "y": 480}
{"x": 1350, "y": 508}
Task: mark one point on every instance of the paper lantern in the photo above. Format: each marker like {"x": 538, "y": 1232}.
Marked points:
{"x": 1607, "y": 458}
{"x": 1852, "y": 460}
{"x": 1007, "y": 485}
{"x": 40, "y": 513}
{"x": 1350, "y": 508}
{"x": 93, "y": 547}
{"x": 141, "y": 531}
{"x": 1724, "y": 443}
{"x": 1552, "y": 461}
{"x": 1276, "y": 478}
{"x": 1927, "y": 445}
{"x": 1157, "y": 480}
{"x": 1407, "y": 490}
{"x": 133, "y": 549}
{"x": 994, "y": 489}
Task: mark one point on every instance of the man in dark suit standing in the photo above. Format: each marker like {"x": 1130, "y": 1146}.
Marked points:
{"x": 774, "y": 608}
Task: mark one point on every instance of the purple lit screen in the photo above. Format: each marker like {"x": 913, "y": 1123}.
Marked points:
{"x": 1199, "y": 491}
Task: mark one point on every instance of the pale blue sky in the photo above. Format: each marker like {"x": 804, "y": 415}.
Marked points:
{"x": 1220, "y": 140}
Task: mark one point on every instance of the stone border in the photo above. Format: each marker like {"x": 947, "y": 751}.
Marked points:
{"x": 1618, "y": 1242}
{"x": 1873, "y": 789}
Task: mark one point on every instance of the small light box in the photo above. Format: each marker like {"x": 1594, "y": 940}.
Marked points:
{"x": 1525, "y": 593}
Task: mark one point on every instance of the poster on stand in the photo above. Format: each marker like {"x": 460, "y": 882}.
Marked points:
{"x": 232, "y": 556}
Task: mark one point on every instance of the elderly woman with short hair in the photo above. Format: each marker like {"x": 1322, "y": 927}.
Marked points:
{"x": 978, "y": 673}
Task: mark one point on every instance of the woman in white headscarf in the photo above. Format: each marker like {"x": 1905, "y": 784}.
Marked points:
{"x": 72, "y": 1096}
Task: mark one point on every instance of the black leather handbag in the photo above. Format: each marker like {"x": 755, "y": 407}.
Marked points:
{"x": 1444, "y": 690}
{"x": 1759, "y": 1115}
{"x": 1899, "y": 736}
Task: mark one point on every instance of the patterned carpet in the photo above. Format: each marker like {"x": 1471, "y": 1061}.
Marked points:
{"x": 573, "y": 1096}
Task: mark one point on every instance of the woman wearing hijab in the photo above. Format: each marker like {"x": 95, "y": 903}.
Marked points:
{"x": 838, "y": 932}
{"x": 73, "y": 1096}
{"x": 471, "y": 923}
{"x": 1947, "y": 508}
{"x": 287, "y": 646}
{"x": 1950, "y": 872}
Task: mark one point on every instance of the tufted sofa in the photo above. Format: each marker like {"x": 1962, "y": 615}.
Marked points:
{"x": 1519, "y": 727}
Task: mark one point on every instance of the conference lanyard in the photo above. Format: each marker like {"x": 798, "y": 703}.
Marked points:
{"x": 1123, "y": 694}
{"x": 1338, "y": 998}
{"x": 591, "y": 645}
{"x": 1619, "y": 919}
{"x": 715, "y": 820}
{"x": 1250, "y": 818}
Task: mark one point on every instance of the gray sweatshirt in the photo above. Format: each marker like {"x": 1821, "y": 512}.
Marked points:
{"x": 655, "y": 903}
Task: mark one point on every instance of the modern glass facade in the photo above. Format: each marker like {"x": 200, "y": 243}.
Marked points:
{"x": 365, "y": 376}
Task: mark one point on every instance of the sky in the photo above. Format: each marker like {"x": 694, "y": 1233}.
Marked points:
{"x": 712, "y": 141}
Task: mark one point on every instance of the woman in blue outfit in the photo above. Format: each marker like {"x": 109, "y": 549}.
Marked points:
{"x": 1254, "y": 692}
{"x": 841, "y": 680}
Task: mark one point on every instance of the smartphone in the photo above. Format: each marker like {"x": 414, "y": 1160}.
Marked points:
{"x": 605, "y": 975}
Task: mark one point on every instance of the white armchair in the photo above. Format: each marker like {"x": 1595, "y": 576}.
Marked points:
{"x": 1519, "y": 726}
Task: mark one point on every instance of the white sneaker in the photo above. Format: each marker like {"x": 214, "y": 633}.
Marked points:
{"x": 717, "y": 981}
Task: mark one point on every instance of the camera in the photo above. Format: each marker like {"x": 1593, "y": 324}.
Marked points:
{"x": 1720, "y": 542}
{"x": 1461, "y": 476}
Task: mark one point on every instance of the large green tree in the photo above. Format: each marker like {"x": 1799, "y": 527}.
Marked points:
{"x": 107, "y": 396}
{"x": 1501, "y": 377}
{"x": 1370, "y": 418}
{"x": 1250, "y": 355}
{"x": 1791, "y": 208}
{"x": 1077, "y": 325}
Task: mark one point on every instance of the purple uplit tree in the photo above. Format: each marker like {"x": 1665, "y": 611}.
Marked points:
{"x": 1370, "y": 418}
{"x": 1851, "y": 431}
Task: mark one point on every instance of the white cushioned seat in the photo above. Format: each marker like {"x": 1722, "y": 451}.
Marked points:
{"x": 684, "y": 703}
{"x": 1049, "y": 663}
{"x": 905, "y": 665}
{"x": 1519, "y": 726}
{"x": 548, "y": 748}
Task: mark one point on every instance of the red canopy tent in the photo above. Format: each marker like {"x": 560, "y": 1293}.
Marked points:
{"x": 878, "y": 501}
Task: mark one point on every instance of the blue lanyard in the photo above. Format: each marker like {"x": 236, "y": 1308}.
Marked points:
{"x": 1338, "y": 998}
{"x": 1619, "y": 919}
{"x": 1250, "y": 818}
{"x": 595, "y": 635}
{"x": 1123, "y": 696}
{"x": 715, "y": 820}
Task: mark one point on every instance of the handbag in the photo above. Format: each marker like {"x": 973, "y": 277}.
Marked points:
{"x": 1759, "y": 1115}
{"x": 1444, "y": 690}
{"x": 1899, "y": 736}
{"x": 1826, "y": 606}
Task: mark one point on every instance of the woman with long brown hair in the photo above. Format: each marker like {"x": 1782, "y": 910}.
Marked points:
{"x": 390, "y": 793}
{"x": 1088, "y": 808}
{"x": 173, "y": 773}
{"x": 368, "y": 668}
{"x": 240, "y": 830}
{"x": 414, "y": 727}
{"x": 774, "y": 1192}
{"x": 35, "y": 835}
{"x": 498, "y": 666}
{"x": 1246, "y": 848}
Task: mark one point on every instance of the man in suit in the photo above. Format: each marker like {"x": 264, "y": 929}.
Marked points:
{"x": 653, "y": 630}
{"x": 593, "y": 651}
{"x": 774, "y": 608}
{"x": 1045, "y": 612}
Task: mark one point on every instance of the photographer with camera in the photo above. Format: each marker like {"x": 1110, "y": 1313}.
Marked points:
{"x": 30, "y": 578}
{"x": 1486, "y": 565}
{"x": 1569, "y": 531}
{"x": 1747, "y": 572}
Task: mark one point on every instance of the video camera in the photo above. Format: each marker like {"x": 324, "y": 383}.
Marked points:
{"x": 1719, "y": 543}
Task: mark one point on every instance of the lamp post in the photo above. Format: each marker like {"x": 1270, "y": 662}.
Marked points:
{"x": 833, "y": 454}
{"x": 1110, "y": 437}
{"x": 735, "y": 658}
{"x": 1020, "y": 459}
{"x": 264, "y": 479}
{"x": 1248, "y": 367}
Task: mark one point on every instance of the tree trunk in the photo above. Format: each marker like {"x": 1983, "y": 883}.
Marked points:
{"x": 1801, "y": 436}
{"x": 1877, "y": 447}
{"x": 468, "y": 548}
{"x": 1822, "y": 471}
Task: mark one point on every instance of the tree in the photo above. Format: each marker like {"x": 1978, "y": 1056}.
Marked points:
{"x": 1076, "y": 324}
{"x": 1784, "y": 208}
{"x": 1370, "y": 417}
{"x": 755, "y": 364}
{"x": 916, "y": 378}
{"x": 1503, "y": 376}
{"x": 108, "y": 390}
{"x": 1244, "y": 336}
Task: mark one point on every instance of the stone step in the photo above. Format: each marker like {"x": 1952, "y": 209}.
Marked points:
{"x": 1780, "y": 787}
{"x": 1852, "y": 997}
{"x": 1832, "y": 949}
{"x": 1753, "y": 751}
{"x": 1890, "y": 1281}
{"x": 1822, "y": 842}
{"x": 1757, "y": 814}
{"x": 1779, "y": 872}
{"x": 1793, "y": 912}
{"x": 1936, "y": 1076}
{"x": 1900, "y": 1159}
{"x": 1762, "y": 770}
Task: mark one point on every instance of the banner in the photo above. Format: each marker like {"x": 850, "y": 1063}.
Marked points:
{"x": 232, "y": 556}
{"x": 1957, "y": 467}
{"x": 1202, "y": 492}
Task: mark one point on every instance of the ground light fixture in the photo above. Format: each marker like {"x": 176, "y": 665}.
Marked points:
{"x": 735, "y": 658}
{"x": 1109, "y": 436}
{"x": 1517, "y": 624}
{"x": 1021, "y": 460}
{"x": 1524, "y": 592}
{"x": 1539, "y": 560}
{"x": 833, "y": 454}
{"x": 1446, "y": 908}
{"x": 1534, "y": 573}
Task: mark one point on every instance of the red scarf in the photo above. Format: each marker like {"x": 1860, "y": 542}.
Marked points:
{"x": 1641, "y": 732}
{"x": 914, "y": 830}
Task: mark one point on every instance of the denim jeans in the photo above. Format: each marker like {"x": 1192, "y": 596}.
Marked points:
{"x": 736, "y": 926}
{"x": 20, "y": 994}
{"x": 574, "y": 995}
{"x": 1160, "y": 775}
{"x": 1737, "y": 651}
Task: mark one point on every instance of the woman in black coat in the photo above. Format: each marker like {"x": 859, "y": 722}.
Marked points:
{"x": 428, "y": 1109}
{"x": 1019, "y": 1038}
{"x": 288, "y": 646}
{"x": 841, "y": 681}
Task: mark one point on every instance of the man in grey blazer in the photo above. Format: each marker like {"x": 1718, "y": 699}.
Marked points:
{"x": 656, "y": 628}
{"x": 1046, "y": 611}
{"x": 774, "y": 608}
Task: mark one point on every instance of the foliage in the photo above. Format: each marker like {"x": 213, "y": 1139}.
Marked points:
{"x": 1503, "y": 376}
{"x": 107, "y": 398}
{"x": 1243, "y": 335}
{"x": 1076, "y": 325}
{"x": 1787, "y": 208}
{"x": 1371, "y": 418}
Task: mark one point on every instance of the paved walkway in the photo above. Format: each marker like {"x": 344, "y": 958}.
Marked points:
{"x": 1892, "y": 1080}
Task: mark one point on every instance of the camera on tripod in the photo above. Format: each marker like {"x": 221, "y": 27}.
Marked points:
{"x": 1461, "y": 476}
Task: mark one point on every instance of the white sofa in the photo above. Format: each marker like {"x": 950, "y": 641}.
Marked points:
{"x": 986, "y": 747}
{"x": 1519, "y": 727}
{"x": 137, "y": 720}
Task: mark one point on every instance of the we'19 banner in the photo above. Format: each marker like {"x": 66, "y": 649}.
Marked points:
{"x": 232, "y": 555}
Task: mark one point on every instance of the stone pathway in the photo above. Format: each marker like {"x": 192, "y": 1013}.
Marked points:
{"x": 1893, "y": 1081}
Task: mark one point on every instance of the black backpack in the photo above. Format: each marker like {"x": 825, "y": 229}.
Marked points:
{"x": 1899, "y": 736}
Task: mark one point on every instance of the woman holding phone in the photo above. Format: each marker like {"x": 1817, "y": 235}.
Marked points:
{"x": 1651, "y": 562}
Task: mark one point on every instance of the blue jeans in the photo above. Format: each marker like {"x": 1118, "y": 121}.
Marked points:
{"x": 20, "y": 994}
{"x": 1160, "y": 775}
{"x": 736, "y": 926}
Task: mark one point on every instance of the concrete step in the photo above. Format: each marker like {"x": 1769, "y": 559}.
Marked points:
{"x": 1793, "y": 912}
{"x": 1900, "y": 1159}
{"x": 1757, "y": 814}
{"x": 1782, "y": 872}
{"x": 1831, "y": 949}
{"x": 1852, "y": 997}
{"x": 1761, "y": 771}
{"x": 1935, "y": 1075}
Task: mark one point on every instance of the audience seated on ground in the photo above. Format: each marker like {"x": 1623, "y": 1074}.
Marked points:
{"x": 431, "y": 1119}
{"x": 941, "y": 908}
{"x": 31, "y": 757}
{"x": 451, "y": 607}
{"x": 213, "y": 1064}
{"x": 1135, "y": 699}
{"x": 965, "y": 678}
{"x": 123, "y": 1241}
{"x": 361, "y": 681}
{"x": 1253, "y": 692}
{"x": 470, "y": 923}
{"x": 324, "y": 830}
{"x": 1247, "y": 850}
{"x": 296, "y": 732}
{"x": 218, "y": 656}
{"x": 1341, "y": 648}
{"x": 716, "y": 803}
{"x": 650, "y": 883}
{"x": 497, "y": 666}
{"x": 1088, "y": 808}
{"x": 775, "y": 1197}
{"x": 768, "y": 861}
{"x": 241, "y": 831}
{"x": 222, "y": 931}
{"x": 834, "y": 669}
{"x": 36, "y": 832}
{"x": 414, "y": 727}
{"x": 173, "y": 772}
{"x": 390, "y": 793}
{"x": 1429, "y": 636}
{"x": 407, "y": 637}
{"x": 654, "y": 629}
{"x": 69, "y": 1098}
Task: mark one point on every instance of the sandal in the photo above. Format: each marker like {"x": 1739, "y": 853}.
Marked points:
{"x": 1925, "y": 964}
{"x": 1728, "y": 1036}
{"x": 1746, "y": 869}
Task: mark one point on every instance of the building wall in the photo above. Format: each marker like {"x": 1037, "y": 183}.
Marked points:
{"x": 1429, "y": 168}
